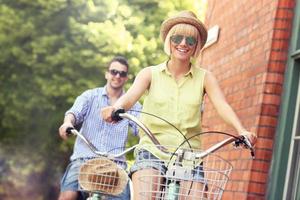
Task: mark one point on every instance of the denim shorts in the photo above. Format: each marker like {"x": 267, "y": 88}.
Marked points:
{"x": 142, "y": 162}
{"x": 69, "y": 181}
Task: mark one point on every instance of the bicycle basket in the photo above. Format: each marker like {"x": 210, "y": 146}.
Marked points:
{"x": 205, "y": 179}
{"x": 102, "y": 175}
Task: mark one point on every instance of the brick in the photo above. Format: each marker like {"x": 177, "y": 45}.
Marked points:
{"x": 266, "y": 131}
{"x": 229, "y": 186}
{"x": 268, "y": 121}
{"x": 270, "y": 110}
{"x": 240, "y": 195}
{"x": 263, "y": 149}
{"x": 280, "y": 44}
{"x": 238, "y": 175}
{"x": 284, "y": 13}
{"x": 282, "y": 24}
{"x": 255, "y": 197}
{"x": 271, "y": 99}
{"x": 245, "y": 164}
{"x": 278, "y": 55}
{"x": 286, "y": 4}
{"x": 276, "y": 66}
{"x": 247, "y": 112}
{"x": 258, "y": 188}
{"x": 242, "y": 187}
{"x": 274, "y": 78}
{"x": 234, "y": 155}
{"x": 261, "y": 166}
{"x": 273, "y": 89}
{"x": 227, "y": 195}
{"x": 281, "y": 34}
{"x": 260, "y": 78}
{"x": 257, "y": 177}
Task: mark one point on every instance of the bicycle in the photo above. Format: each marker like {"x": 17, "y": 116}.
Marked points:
{"x": 181, "y": 163}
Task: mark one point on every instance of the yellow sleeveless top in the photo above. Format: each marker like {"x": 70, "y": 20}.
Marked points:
{"x": 177, "y": 102}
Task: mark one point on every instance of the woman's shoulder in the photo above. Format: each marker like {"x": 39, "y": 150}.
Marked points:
{"x": 153, "y": 68}
{"x": 200, "y": 70}
{"x": 158, "y": 68}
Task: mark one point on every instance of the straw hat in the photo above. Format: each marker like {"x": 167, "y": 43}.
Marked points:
{"x": 102, "y": 175}
{"x": 184, "y": 17}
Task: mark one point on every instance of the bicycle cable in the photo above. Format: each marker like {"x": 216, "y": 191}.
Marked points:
{"x": 150, "y": 114}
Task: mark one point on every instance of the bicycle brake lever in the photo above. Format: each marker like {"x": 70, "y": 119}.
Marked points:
{"x": 238, "y": 142}
{"x": 115, "y": 116}
{"x": 243, "y": 140}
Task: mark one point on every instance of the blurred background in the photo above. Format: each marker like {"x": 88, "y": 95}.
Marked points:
{"x": 51, "y": 51}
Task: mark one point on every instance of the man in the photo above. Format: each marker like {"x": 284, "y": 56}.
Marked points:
{"x": 104, "y": 136}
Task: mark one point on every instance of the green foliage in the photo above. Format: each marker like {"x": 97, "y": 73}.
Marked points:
{"x": 51, "y": 51}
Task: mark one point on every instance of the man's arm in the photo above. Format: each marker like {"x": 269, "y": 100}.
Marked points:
{"x": 75, "y": 115}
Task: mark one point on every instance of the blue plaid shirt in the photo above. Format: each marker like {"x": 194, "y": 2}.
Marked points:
{"x": 104, "y": 136}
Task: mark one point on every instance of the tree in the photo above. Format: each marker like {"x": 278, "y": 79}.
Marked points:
{"x": 51, "y": 51}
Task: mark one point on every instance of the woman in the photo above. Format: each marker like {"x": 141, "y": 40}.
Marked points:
{"x": 174, "y": 91}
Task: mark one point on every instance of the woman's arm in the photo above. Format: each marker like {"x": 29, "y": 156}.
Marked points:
{"x": 140, "y": 85}
{"x": 225, "y": 111}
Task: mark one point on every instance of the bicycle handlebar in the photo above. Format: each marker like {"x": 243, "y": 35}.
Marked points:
{"x": 120, "y": 114}
{"x": 240, "y": 140}
{"x": 73, "y": 131}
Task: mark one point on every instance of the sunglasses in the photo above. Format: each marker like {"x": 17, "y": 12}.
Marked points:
{"x": 189, "y": 40}
{"x": 115, "y": 72}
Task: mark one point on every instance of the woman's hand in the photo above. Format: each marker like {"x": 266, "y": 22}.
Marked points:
{"x": 252, "y": 137}
{"x": 106, "y": 113}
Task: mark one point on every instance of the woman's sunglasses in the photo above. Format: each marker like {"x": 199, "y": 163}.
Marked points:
{"x": 190, "y": 40}
{"x": 115, "y": 72}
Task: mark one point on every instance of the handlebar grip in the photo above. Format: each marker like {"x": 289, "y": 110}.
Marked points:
{"x": 116, "y": 114}
{"x": 249, "y": 145}
{"x": 69, "y": 131}
{"x": 245, "y": 141}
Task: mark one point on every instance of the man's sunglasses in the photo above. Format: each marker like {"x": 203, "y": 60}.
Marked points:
{"x": 190, "y": 40}
{"x": 115, "y": 72}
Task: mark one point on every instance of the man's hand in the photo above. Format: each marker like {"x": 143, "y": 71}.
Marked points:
{"x": 62, "y": 130}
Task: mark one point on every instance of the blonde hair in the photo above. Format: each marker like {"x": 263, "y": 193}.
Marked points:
{"x": 183, "y": 29}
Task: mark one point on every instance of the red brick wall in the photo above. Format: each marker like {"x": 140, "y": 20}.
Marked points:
{"x": 249, "y": 62}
